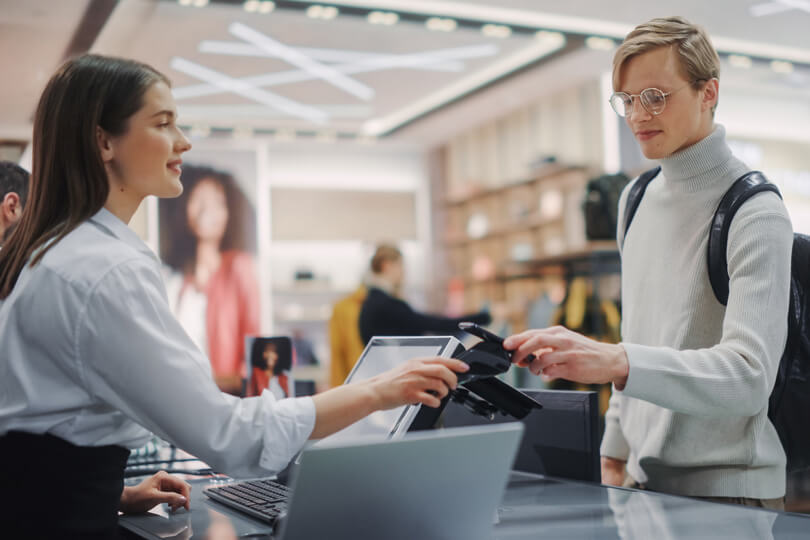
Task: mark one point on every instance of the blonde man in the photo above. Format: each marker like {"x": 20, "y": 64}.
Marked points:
{"x": 692, "y": 378}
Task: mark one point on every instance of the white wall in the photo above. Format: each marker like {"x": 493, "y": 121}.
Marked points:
{"x": 350, "y": 166}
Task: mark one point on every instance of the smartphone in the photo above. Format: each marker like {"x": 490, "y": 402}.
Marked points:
{"x": 480, "y": 331}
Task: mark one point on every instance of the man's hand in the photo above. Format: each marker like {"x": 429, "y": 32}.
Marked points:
{"x": 160, "y": 488}
{"x": 613, "y": 471}
{"x": 563, "y": 354}
{"x": 422, "y": 380}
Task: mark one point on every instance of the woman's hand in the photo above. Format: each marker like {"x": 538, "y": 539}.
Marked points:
{"x": 613, "y": 471}
{"x": 563, "y": 354}
{"x": 421, "y": 380}
{"x": 160, "y": 488}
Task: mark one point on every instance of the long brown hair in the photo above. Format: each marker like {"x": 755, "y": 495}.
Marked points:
{"x": 68, "y": 181}
{"x": 178, "y": 244}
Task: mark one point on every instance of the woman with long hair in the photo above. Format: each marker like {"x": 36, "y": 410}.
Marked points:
{"x": 207, "y": 239}
{"x": 92, "y": 358}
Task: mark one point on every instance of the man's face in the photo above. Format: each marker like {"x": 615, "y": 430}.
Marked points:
{"x": 687, "y": 116}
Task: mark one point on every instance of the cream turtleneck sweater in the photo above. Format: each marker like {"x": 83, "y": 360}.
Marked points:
{"x": 692, "y": 419}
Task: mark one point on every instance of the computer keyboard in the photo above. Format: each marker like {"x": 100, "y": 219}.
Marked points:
{"x": 263, "y": 499}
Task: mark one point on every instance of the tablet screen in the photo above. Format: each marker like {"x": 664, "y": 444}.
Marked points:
{"x": 381, "y": 355}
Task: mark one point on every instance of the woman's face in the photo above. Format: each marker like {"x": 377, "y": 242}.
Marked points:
{"x": 271, "y": 356}
{"x": 145, "y": 160}
{"x": 207, "y": 210}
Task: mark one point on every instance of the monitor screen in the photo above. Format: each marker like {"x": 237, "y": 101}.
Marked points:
{"x": 380, "y": 355}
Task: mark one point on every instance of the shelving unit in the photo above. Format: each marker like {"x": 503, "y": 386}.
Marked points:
{"x": 503, "y": 243}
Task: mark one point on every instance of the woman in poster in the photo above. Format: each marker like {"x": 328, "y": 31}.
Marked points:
{"x": 207, "y": 240}
{"x": 271, "y": 360}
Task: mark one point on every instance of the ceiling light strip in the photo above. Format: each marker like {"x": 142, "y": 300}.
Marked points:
{"x": 237, "y": 86}
{"x": 434, "y": 60}
{"x": 489, "y": 14}
{"x": 289, "y": 54}
{"x": 564, "y": 23}
{"x": 234, "y": 48}
{"x": 384, "y": 125}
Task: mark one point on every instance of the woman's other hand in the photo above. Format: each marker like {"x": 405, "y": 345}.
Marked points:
{"x": 160, "y": 488}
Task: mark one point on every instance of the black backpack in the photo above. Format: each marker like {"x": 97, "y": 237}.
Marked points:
{"x": 789, "y": 404}
{"x": 601, "y": 205}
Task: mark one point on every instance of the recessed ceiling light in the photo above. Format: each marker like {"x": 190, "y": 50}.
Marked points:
{"x": 200, "y": 131}
{"x": 740, "y": 61}
{"x": 780, "y": 66}
{"x": 600, "y": 43}
{"x": 322, "y": 12}
{"x": 267, "y": 6}
{"x": 200, "y": 3}
{"x": 496, "y": 30}
{"x": 326, "y": 136}
{"x": 242, "y": 132}
{"x": 185, "y": 2}
{"x": 387, "y": 18}
{"x": 441, "y": 24}
{"x": 550, "y": 38}
{"x": 284, "y": 134}
{"x": 251, "y": 6}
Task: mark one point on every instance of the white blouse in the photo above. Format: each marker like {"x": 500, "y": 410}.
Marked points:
{"x": 91, "y": 353}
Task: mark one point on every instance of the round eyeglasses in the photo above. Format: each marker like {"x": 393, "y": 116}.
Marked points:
{"x": 652, "y": 99}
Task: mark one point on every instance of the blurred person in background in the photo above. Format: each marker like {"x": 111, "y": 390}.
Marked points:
{"x": 207, "y": 239}
{"x": 384, "y": 313}
{"x": 345, "y": 342}
{"x": 13, "y": 192}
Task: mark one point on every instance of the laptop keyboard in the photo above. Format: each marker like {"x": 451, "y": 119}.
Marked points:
{"x": 263, "y": 499}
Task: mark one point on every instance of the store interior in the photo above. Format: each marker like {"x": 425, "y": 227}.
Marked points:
{"x": 464, "y": 132}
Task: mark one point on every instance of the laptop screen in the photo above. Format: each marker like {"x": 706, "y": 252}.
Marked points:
{"x": 380, "y": 355}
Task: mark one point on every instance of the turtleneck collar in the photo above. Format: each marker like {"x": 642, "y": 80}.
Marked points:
{"x": 698, "y": 164}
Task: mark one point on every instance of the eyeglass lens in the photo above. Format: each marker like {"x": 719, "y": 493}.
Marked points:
{"x": 652, "y": 99}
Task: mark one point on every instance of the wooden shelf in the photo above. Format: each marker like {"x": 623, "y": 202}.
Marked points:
{"x": 540, "y": 175}
{"x": 598, "y": 255}
{"x": 535, "y": 222}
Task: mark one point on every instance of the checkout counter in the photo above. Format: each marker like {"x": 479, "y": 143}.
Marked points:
{"x": 533, "y": 507}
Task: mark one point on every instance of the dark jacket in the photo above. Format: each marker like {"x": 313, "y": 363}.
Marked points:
{"x": 385, "y": 315}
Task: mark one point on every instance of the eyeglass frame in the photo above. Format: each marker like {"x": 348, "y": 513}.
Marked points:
{"x": 641, "y": 100}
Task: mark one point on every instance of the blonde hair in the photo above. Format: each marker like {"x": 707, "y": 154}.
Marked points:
{"x": 698, "y": 59}
{"x": 385, "y": 253}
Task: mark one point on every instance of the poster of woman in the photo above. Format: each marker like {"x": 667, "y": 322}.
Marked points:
{"x": 271, "y": 360}
{"x": 208, "y": 242}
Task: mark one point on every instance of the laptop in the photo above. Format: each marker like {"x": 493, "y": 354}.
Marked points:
{"x": 428, "y": 485}
{"x": 266, "y": 499}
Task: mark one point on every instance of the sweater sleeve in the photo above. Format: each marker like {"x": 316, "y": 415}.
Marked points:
{"x": 734, "y": 377}
{"x": 614, "y": 444}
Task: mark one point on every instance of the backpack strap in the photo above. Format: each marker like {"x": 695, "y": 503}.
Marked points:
{"x": 743, "y": 189}
{"x": 635, "y": 195}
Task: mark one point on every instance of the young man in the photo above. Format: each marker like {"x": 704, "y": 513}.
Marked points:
{"x": 13, "y": 192}
{"x": 692, "y": 378}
